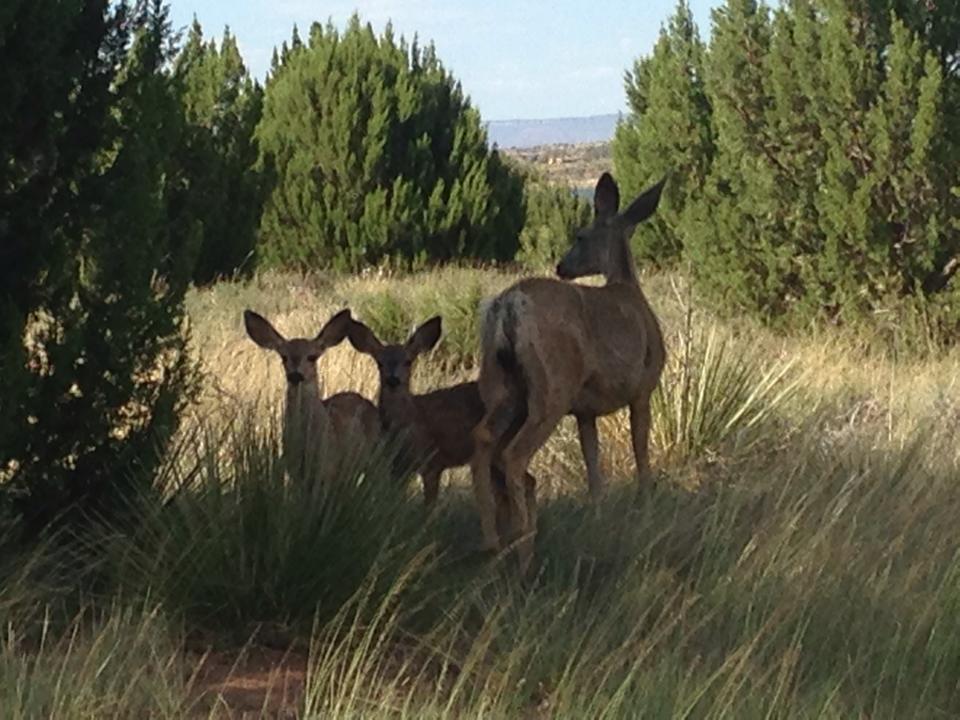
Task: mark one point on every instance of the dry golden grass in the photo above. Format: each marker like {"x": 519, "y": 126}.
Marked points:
{"x": 855, "y": 390}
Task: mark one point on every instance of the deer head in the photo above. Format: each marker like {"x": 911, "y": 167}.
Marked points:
{"x": 299, "y": 355}
{"x": 603, "y": 247}
{"x": 394, "y": 362}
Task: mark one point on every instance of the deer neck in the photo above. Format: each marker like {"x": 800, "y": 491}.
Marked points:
{"x": 623, "y": 271}
{"x": 397, "y": 409}
{"x": 304, "y": 408}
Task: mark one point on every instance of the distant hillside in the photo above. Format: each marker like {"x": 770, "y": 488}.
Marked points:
{"x": 555, "y": 131}
{"x": 575, "y": 166}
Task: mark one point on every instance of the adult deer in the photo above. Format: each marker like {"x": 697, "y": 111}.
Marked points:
{"x": 309, "y": 421}
{"x": 551, "y": 348}
{"x": 435, "y": 427}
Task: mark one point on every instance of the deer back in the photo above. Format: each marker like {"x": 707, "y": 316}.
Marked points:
{"x": 593, "y": 348}
{"x": 353, "y": 418}
{"x": 445, "y": 421}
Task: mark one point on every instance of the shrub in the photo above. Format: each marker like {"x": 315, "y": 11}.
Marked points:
{"x": 218, "y": 191}
{"x": 92, "y": 363}
{"x": 812, "y": 153}
{"x": 713, "y": 392}
{"x": 553, "y": 215}
{"x": 378, "y": 155}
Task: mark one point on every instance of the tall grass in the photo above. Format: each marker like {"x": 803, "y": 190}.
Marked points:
{"x": 809, "y": 588}
{"x": 112, "y": 662}
{"x": 239, "y": 541}
{"x": 813, "y": 572}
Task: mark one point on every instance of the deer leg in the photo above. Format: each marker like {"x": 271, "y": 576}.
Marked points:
{"x": 482, "y": 489}
{"x": 530, "y": 486}
{"x": 431, "y": 486}
{"x": 516, "y": 458}
{"x": 640, "y": 432}
{"x": 503, "y": 502}
{"x": 590, "y": 445}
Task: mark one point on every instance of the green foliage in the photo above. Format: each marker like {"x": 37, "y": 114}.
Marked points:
{"x": 393, "y": 312}
{"x": 815, "y": 149}
{"x": 553, "y": 215}
{"x": 219, "y": 194}
{"x": 92, "y": 277}
{"x": 378, "y": 155}
{"x": 668, "y": 131}
{"x": 733, "y": 223}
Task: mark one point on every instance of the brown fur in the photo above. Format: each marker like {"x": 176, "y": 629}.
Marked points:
{"x": 308, "y": 420}
{"x": 552, "y": 348}
{"x": 437, "y": 426}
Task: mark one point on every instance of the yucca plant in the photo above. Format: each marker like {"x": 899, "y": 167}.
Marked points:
{"x": 713, "y": 391}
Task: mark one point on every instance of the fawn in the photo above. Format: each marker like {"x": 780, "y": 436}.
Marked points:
{"x": 308, "y": 419}
{"x": 435, "y": 427}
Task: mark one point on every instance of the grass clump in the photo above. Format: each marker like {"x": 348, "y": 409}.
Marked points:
{"x": 714, "y": 390}
{"x": 392, "y": 309}
{"x": 240, "y": 542}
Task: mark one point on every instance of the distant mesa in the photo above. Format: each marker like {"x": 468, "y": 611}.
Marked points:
{"x": 554, "y": 131}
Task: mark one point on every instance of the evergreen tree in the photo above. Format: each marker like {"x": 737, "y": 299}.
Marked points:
{"x": 219, "y": 193}
{"x": 93, "y": 362}
{"x": 377, "y": 154}
{"x": 553, "y": 216}
{"x": 829, "y": 193}
{"x": 731, "y": 227}
{"x": 668, "y": 130}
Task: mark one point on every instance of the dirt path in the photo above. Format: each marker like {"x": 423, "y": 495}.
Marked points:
{"x": 258, "y": 682}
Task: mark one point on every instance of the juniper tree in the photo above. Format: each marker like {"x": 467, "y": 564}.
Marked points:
{"x": 668, "y": 129}
{"x": 378, "y": 155}
{"x": 732, "y": 225}
{"x": 553, "y": 215}
{"x": 93, "y": 364}
{"x": 220, "y": 193}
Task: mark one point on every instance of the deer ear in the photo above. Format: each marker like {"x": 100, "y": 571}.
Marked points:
{"x": 645, "y": 205}
{"x": 363, "y": 339}
{"x": 606, "y": 196}
{"x": 425, "y": 336}
{"x": 335, "y": 330}
{"x": 261, "y": 331}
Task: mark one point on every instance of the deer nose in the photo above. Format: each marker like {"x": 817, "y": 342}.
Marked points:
{"x": 294, "y": 378}
{"x": 392, "y": 381}
{"x": 561, "y": 270}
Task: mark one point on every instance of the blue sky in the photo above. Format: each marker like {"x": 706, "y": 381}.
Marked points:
{"x": 515, "y": 58}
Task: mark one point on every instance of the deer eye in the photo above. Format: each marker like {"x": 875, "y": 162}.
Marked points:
{"x": 407, "y": 363}
{"x": 312, "y": 358}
